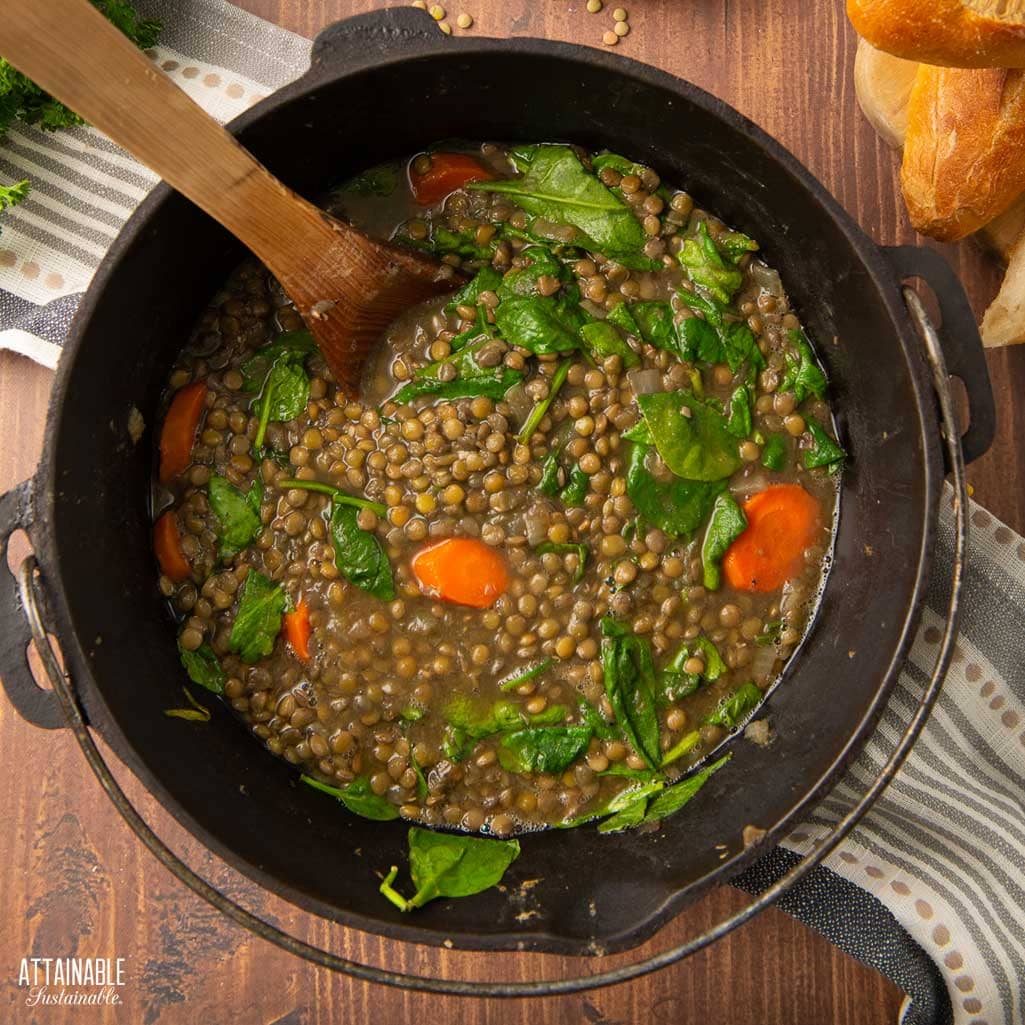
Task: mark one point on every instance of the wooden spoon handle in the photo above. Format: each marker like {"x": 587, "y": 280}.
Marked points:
{"x": 72, "y": 51}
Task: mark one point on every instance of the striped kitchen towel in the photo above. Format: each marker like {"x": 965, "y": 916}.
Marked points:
{"x": 84, "y": 187}
{"x": 930, "y": 887}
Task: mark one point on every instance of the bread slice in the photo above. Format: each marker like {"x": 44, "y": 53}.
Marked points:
{"x": 952, "y": 33}
{"x": 964, "y": 154}
{"x": 883, "y": 85}
{"x": 1004, "y": 322}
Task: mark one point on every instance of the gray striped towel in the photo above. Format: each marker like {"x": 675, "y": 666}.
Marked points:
{"x": 930, "y": 887}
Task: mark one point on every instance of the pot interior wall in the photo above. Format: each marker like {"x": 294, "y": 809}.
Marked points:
{"x": 245, "y": 803}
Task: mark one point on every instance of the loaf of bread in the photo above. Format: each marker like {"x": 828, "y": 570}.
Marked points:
{"x": 883, "y": 85}
{"x": 1004, "y": 322}
{"x": 964, "y": 154}
{"x": 953, "y": 33}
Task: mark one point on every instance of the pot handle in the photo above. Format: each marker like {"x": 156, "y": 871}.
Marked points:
{"x": 369, "y": 38}
{"x": 34, "y": 704}
{"x": 959, "y": 338}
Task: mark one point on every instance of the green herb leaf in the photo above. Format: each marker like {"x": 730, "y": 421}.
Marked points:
{"x": 739, "y": 347}
{"x": 542, "y": 748}
{"x": 10, "y": 195}
{"x": 487, "y": 279}
{"x": 549, "y": 483}
{"x": 597, "y": 724}
{"x": 359, "y": 555}
{"x": 706, "y": 267}
{"x": 237, "y": 512}
{"x": 699, "y": 341}
{"x": 683, "y": 746}
{"x": 824, "y": 451}
{"x": 358, "y": 798}
{"x": 258, "y": 620}
{"x": 629, "y": 806}
{"x": 602, "y": 339}
{"x": 734, "y": 708}
{"x": 674, "y": 797}
{"x": 739, "y": 423}
{"x": 803, "y": 376}
{"x": 295, "y": 345}
{"x": 654, "y": 318}
{"x": 580, "y": 550}
{"x": 734, "y": 244}
{"x": 285, "y": 395}
{"x": 512, "y": 682}
{"x": 575, "y": 491}
{"x": 621, "y": 316}
{"x": 556, "y": 187}
{"x": 726, "y": 524}
{"x": 493, "y": 385}
{"x": 678, "y": 507}
{"x": 774, "y": 453}
{"x": 714, "y": 664}
{"x": 630, "y": 687}
{"x": 542, "y": 324}
{"x": 203, "y": 667}
{"x": 451, "y": 865}
{"x": 692, "y": 437}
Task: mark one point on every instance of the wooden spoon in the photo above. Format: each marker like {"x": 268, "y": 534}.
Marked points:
{"x": 347, "y": 286}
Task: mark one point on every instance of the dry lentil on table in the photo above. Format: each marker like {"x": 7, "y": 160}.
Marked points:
{"x": 371, "y": 700}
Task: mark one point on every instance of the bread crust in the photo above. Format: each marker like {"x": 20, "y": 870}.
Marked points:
{"x": 964, "y": 155}
{"x": 951, "y": 33}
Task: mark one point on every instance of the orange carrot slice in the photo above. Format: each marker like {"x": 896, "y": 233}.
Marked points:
{"x": 167, "y": 544}
{"x": 179, "y": 432}
{"x": 461, "y": 570}
{"x": 298, "y": 629}
{"x": 781, "y": 522}
{"x": 448, "y": 172}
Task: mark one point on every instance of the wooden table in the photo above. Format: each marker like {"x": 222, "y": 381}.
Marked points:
{"x": 76, "y": 882}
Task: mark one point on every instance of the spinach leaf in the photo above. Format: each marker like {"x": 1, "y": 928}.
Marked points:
{"x": 824, "y": 451}
{"x": 469, "y": 721}
{"x": 549, "y": 482}
{"x": 512, "y": 682}
{"x": 714, "y": 664}
{"x": 238, "y": 514}
{"x": 734, "y": 708}
{"x": 381, "y": 180}
{"x": 678, "y": 507}
{"x": 629, "y": 806}
{"x": 203, "y": 667}
{"x": 726, "y": 524}
{"x": 621, "y": 316}
{"x": 522, "y": 281}
{"x": 359, "y": 555}
{"x": 492, "y": 384}
{"x": 295, "y": 345}
{"x": 683, "y": 746}
{"x": 674, "y": 797}
{"x": 598, "y": 725}
{"x": 543, "y": 748}
{"x": 537, "y": 414}
{"x": 699, "y": 341}
{"x": 450, "y": 865}
{"x": 739, "y": 347}
{"x": 803, "y": 376}
{"x": 258, "y": 620}
{"x": 541, "y": 324}
{"x": 556, "y": 187}
{"x": 676, "y": 683}
{"x": 442, "y": 241}
{"x": 734, "y": 244}
{"x": 705, "y": 266}
{"x": 740, "y": 422}
{"x": 603, "y": 340}
{"x": 640, "y": 433}
{"x": 581, "y": 550}
{"x": 654, "y": 318}
{"x": 691, "y": 436}
{"x": 630, "y": 687}
{"x": 575, "y": 491}
{"x": 358, "y": 798}
{"x": 774, "y": 452}
{"x": 487, "y": 279}
{"x": 285, "y": 395}
{"x": 618, "y": 163}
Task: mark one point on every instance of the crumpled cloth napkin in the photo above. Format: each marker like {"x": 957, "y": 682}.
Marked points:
{"x": 930, "y": 887}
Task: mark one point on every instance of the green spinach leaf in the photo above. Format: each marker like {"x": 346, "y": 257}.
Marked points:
{"x": 739, "y": 347}
{"x": 568, "y": 548}
{"x": 674, "y": 797}
{"x": 802, "y": 376}
{"x": 692, "y": 437}
{"x": 549, "y": 483}
{"x": 203, "y": 667}
{"x": 358, "y": 798}
{"x": 630, "y": 687}
{"x": 542, "y": 324}
{"x": 450, "y": 865}
{"x": 678, "y": 507}
{"x": 487, "y": 279}
{"x": 258, "y": 620}
{"x": 537, "y": 414}
{"x": 575, "y": 491}
{"x": 734, "y": 708}
{"x": 824, "y": 451}
{"x": 774, "y": 452}
{"x": 492, "y": 384}
{"x": 654, "y": 318}
{"x": 705, "y": 266}
{"x": 602, "y": 339}
{"x": 726, "y": 524}
{"x": 628, "y": 807}
{"x": 237, "y": 512}
{"x": 295, "y": 345}
{"x": 381, "y": 180}
{"x": 621, "y": 316}
{"x": 359, "y": 555}
{"x": 739, "y": 423}
{"x": 512, "y": 682}
{"x": 542, "y": 748}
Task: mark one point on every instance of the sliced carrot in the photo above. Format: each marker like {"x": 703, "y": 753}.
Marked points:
{"x": 298, "y": 629}
{"x": 167, "y": 544}
{"x": 461, "y": 570}
{"x": 179, "y": 432}
{"x": 448, "y": 172}
{"x": 782, "y": 521}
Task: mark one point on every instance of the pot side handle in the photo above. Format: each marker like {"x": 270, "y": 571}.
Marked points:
{"x": 366, "y": 39}
{"x": 959, "y": 337}
{"x": 34, "y": 704}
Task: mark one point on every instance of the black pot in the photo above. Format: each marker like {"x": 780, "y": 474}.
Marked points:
{"x": 383, "y": 85}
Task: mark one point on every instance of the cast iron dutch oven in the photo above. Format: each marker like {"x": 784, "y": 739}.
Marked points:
{"x": 380, "y": 86}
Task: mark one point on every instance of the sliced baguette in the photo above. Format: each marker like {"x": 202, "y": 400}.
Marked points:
{"x": 883, "y": 86}
{"x": 1004, "y": 322}
{"x": 952, "y": 33}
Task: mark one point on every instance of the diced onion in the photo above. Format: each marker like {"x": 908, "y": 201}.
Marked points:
{"x": 762, "y": 661}
{"x": 519, "y": 402}
{"x": 767, "y": 278}
{"x": 646, "y": 382}
{"x": 536, "y": 521}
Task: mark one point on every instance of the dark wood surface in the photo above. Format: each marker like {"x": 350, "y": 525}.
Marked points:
{"x": 74, "y": 880}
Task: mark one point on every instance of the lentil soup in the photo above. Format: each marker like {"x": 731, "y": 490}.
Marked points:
{"x": 561, "y": 544}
